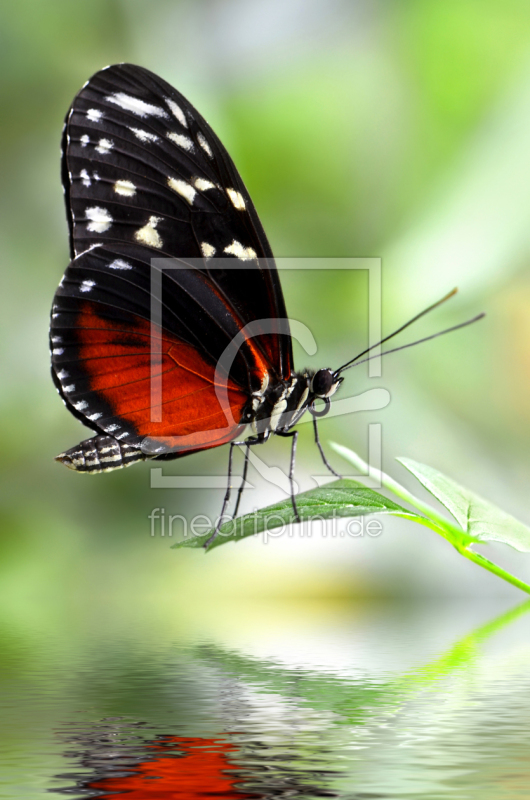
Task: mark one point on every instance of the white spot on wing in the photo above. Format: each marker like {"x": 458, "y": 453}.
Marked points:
{"x": 94, "y": 417}
{"x": 56, "y": 339}
{"x": 136, "y": 106}
{"x": 202, "y": 184}
{"x": 177, "y": 112}
{"x": 87, "y": 286}
{"x": 111, "y": 428}
{"x": 181, "y": 141}
{"x": 125, "y": 188}
{"x": 94, "y": 114}
{"x": 204, "y": 144}
{"x": 85, "y": 139}
{"x": 63, "y": 374}
{"x": 58, "y": 351}
{"x": 81, "y": 406}
{"x": 69, "y": 389}
{"x": 104, "y": 146}
{"x": 237, "y": 199}
{"x": 186, "y": 190}
{"x": 85, "y": 177}
{"x": 100, "y": 219}
{"x": 208, "y": 250}
{"x": 148, "y": 235}
{"x": 144, "y": 136}
{"x": 118, "y": 263}
{"x": 244, "y": 253}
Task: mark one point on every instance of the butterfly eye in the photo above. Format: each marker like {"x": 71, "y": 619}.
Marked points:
{"x": 322, "y": 384}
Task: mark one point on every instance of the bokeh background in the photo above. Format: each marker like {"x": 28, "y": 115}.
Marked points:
{"x": 362, "y": 128}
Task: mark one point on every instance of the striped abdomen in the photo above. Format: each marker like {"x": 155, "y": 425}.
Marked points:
{"x": 100, "y": 454}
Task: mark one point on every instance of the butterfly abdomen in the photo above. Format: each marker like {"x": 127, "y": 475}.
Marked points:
{"x": 100, "y": 454}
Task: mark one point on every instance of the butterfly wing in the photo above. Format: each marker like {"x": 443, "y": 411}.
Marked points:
{"x": 141, "y": 165}
{"x": 145, "y": 177}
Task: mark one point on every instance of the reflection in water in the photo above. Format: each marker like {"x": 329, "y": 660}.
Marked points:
{"x": 115, "y": 765}
{"x": 373, "y": 707}
{"x": 174, "y": 766}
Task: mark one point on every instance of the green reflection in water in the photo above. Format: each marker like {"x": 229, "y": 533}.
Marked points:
{"x": 347, "y": 698}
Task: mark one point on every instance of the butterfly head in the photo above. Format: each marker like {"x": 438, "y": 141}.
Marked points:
{"x": 325, "y": 383}
{"x": 322, "y": 386}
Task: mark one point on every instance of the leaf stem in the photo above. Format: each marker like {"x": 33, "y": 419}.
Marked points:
{"x": 484, "y": 562}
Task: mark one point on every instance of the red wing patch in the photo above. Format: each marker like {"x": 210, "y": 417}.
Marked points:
{"x": 204, "y": 769}
{"x": 160, "y": 385}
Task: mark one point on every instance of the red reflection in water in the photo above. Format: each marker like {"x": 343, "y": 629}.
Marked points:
{"x": 198, "y": 771}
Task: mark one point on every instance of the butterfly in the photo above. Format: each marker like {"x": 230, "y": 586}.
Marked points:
{"x": 169, "y": 333}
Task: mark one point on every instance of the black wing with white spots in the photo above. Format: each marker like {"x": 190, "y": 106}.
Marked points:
{"x": 141, "y": 166}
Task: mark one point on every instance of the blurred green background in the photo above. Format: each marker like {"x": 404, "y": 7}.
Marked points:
{"x": 362, "y": 128}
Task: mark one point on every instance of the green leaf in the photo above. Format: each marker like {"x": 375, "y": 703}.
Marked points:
{"x": 478, "y": 517}
{"x": 432, "y": 519}
{"x": 342, "y": 498}
{"x": 461, "y": 539}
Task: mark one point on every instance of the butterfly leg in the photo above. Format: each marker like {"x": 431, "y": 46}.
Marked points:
{"x": 294, "y": 436}
{"x": 248, "y": 443}
{"x": 227, "y": 494}
{"x": 243, "y": 478}
{"x": 321, "y": 450}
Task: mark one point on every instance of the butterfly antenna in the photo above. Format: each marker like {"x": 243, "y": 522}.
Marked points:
{"x": 419, "y": 341}
{"x": 402, "y": 328}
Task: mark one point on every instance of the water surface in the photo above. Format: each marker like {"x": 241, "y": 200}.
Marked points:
{"x": 381, "y": 701}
